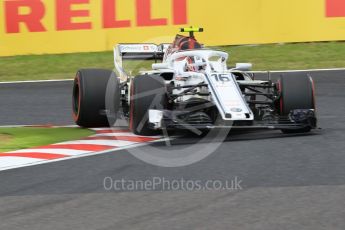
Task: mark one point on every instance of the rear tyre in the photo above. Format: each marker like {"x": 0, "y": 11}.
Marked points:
{"x": 297, "y": 92}
{"x": 89, "y": 98}
{"x": 147, "y": 92}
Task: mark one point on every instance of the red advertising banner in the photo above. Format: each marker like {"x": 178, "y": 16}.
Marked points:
{"x": 335, "y": 8}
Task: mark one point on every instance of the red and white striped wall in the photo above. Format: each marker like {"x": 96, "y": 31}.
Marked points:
{"x": 106, "y": 139}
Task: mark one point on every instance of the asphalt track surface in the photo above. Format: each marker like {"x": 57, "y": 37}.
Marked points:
{"x": 288, "y": 181}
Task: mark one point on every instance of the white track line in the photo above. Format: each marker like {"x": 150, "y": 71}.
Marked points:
{"x": 27, "y": 162}
{"x": 302, "y": 70}
{"x": 68, "y": 152}
{"x": 38, "y": 126}
{"x": 115, "y": 135}
{"x": 32, "y": 162}
{"x": 106, "y": 129}
{"x": 17, "y": 162}
{"x": 115, "y": 143}
{"x": 35, "y": 81}
{"x": 124, "y": 135}
{"x": 12, "y": 126}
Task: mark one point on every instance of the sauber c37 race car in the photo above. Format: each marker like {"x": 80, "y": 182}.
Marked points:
{"x": 190, "y": 87}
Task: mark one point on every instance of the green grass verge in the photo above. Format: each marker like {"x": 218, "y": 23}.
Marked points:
{"x": 23, "y": 138}
{"x": 264, "y": 57}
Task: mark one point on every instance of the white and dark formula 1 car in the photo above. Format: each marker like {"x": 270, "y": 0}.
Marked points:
{"x": 190, "y": 88}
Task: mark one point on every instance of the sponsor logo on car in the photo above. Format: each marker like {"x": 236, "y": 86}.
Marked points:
{"x": 236, "y": 110}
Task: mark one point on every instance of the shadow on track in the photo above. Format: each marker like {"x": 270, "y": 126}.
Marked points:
{"x": 188, "y": 138}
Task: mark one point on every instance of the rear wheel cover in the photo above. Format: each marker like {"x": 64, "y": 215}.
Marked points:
{"x": 89, "y": 97}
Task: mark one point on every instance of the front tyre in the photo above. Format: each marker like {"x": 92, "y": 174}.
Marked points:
{"x": 147, "y": 92}
{"x": 89, "y": 97}
{"x": 297, "y": 92}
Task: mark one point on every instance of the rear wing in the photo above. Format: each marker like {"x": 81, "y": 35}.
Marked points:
{"x": 141, "y": 51}
{"x": 144, "y": 51}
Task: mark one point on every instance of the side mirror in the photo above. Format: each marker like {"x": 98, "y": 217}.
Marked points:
{"x": 243, "y": 66}
{"x": 158, "y": 66}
